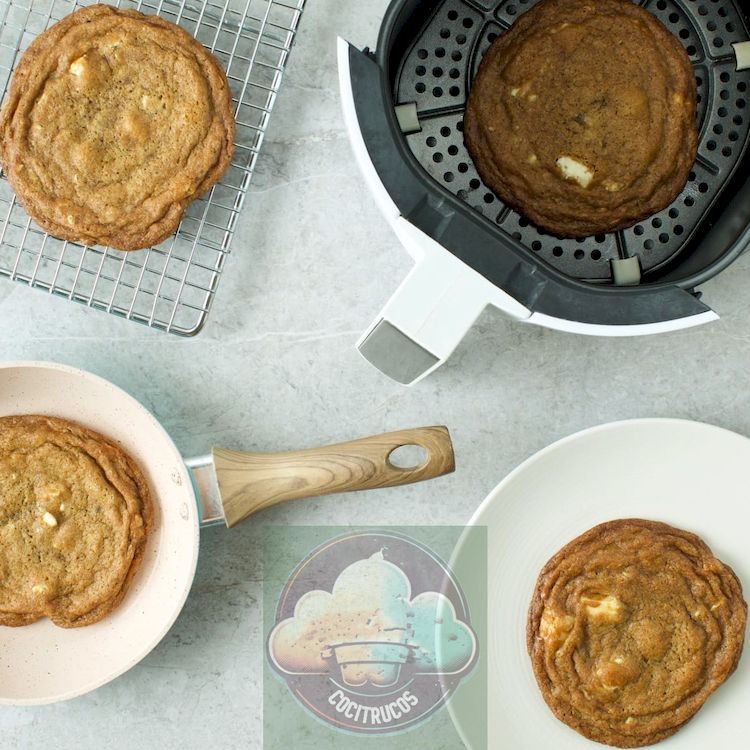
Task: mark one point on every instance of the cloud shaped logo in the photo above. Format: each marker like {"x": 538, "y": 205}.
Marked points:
{"x": 368, "y": 631}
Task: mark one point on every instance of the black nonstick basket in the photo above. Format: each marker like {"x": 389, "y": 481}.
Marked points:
{"x": 640, "y": 280}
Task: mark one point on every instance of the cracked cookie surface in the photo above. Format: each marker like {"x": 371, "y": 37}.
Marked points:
{"x": 631, "y": 627}
{"x": 583, "y": 116}
{"x": 75, "y": 512}
{"x": 114, "y": 123}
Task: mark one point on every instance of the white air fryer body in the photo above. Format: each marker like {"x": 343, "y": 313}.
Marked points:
{"x": 441, "y": 298}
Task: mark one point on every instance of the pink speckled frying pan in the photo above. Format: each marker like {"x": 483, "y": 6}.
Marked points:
{"x": 41, "y": 663}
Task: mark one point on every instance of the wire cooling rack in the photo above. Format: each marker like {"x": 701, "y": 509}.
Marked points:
{"x": 170, "y": 286}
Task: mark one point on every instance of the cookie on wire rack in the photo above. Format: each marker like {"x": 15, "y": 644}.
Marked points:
{"x": 114, "y": 123}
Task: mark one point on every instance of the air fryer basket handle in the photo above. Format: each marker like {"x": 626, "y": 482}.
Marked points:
{"x": 430, "y": 312}
{"x": 420, "y": 325}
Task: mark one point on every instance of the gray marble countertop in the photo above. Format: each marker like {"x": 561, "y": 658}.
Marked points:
{"x": 276, "y": 368}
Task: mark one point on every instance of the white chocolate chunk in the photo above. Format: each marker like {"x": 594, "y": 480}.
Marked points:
{"x": 49, "y": 519}
{"x": 555, "y": 628}
{"x": 50, "y": 491}
{"x": 522, "y": 90}
{"x": 572, "y": 169}
{"x": 602, "y": 674}
{"x": 606, "y": 608}
{"x": 562, "y": 26}
{"x": 78, "y": 67}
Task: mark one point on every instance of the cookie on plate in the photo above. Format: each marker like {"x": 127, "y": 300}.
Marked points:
{"x": 75, "y": 511}
{"x": 631, "y": 627}
{"x": 114, "y": 123}
{"x": 583, "y": 116}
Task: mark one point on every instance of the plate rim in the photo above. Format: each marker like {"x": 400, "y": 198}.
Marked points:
{"x": 495, "y": 492}
{"x": 580, "y": 434}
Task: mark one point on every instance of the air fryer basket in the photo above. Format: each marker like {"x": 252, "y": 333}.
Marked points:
{"x": 431, "y": 51}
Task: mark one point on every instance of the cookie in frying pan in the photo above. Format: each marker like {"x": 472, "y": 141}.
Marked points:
{"x": 631, "y": 627}
{"x": 75, "y": 512}
{"x": 583, "y": 116}
{"x": 114, "y": 123}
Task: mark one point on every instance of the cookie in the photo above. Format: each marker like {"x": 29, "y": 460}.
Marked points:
{"x": 583, "y": 116}
{"x": 632, "y": 626}
{"x": 114, "y": 123}
{"x": 75, "y": 512}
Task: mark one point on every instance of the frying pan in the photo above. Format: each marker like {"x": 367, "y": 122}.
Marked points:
{"x": 41, "y": 663}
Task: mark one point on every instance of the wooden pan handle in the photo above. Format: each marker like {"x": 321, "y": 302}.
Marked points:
{"x": 250, "y": 482}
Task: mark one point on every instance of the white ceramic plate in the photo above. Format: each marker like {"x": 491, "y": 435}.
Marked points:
{"x": 41, "y": 663}
{"x": 690, "y": 475}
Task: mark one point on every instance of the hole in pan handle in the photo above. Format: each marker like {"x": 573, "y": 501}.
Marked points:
{"x": 407, "y": 457}
{"x": 251, "y": 482}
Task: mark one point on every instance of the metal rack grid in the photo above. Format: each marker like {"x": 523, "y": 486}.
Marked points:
{"x": 171, "y": 286}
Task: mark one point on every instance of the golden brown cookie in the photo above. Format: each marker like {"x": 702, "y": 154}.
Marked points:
{"x": 583, "y": 116}
{"x": 631, "y": 627}
{"x": 75, "y": 511}
{"x": 115, "y": 122}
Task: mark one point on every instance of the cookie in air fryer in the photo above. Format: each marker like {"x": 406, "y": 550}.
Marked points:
{"x": 583, "y": 116}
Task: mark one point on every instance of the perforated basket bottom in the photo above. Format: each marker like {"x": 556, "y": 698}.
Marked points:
{"x": 438, "y": 69}
{"x": 171, "y": 286}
